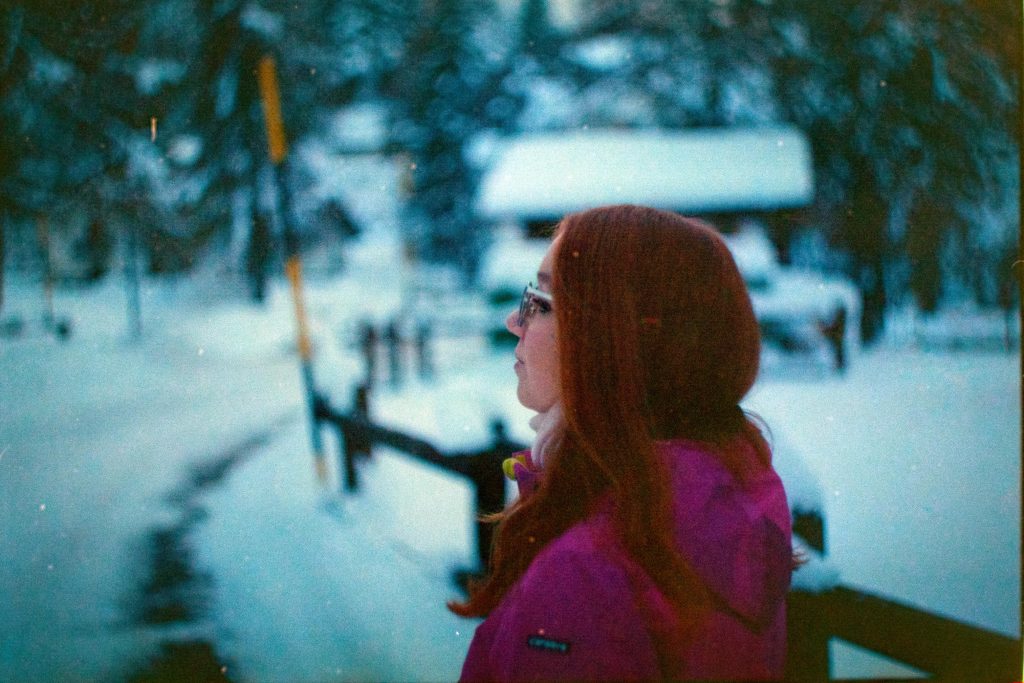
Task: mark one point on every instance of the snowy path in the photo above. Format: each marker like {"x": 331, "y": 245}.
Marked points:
{"x": 310, "y": 587}
{"x": 83, "y": 475}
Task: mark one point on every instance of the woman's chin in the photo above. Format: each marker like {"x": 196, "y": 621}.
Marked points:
{"x": 531, "y": 401}
{"x": 522, "y": 396}
{"x": 526, "y": 399}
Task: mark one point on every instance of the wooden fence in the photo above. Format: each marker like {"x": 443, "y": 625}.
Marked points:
{"x": 357, "y": 436}
{"x": 943, "y": 648}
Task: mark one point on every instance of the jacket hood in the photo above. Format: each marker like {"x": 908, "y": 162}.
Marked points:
{"x": 734, "y": 533}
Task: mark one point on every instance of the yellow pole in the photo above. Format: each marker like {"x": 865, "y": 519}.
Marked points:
{"x": 267, "y": 75}
{"x": 269, "y": 94}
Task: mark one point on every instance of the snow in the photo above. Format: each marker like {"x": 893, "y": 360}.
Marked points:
{"x": 94, "y": 434}
{"x": 426, "y": 409}
{"x": 303, "y": 595}
{"x": 604, "y": 53}
{"x": 549, "y": 105}
{"x": 359, "y": 182}
{"x": 913, "y": 454}
{"x": 153, "y": 73}
{"x": 918, "y": 455}
{"x": 817, "y": 574}
{"x": 549, "y": 174}
{"x": 359, "y": 128}
{"x": 791, "y": 294}
{"x": 754, "y": 253}
{"x": 50, "y": 69}
{"x": 269, "y": 24}
{"x": 185, "y": 149}
{"x": 965, "y": 326}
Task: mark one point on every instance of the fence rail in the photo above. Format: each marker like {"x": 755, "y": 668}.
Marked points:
{"x": 357, "y": 435}
{"x": 945, "y": 648}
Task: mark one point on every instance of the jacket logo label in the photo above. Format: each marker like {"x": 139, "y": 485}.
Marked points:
{"x": 548, "y": 645}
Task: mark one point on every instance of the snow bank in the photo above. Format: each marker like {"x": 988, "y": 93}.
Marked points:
{"x": 816, "y": 574}
{"x": 313, "y": 589}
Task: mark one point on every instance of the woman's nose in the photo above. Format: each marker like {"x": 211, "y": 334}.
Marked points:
{"x": 512, "y": 324}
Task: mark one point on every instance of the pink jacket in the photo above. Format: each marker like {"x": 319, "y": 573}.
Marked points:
{"x": 584, "y": 610}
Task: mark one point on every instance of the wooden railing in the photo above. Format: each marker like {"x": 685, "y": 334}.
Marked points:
{"x": 941, "y": 647}
{"x": 357, "y": 435}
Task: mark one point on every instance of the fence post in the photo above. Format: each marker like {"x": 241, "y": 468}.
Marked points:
{"x": 489, "y": 480}
{"x": 834, "y": 331}
{"x": 424, "y": 359}
{"x": 361, "y": 442}
{"x": 324, "y": 412}
{"x": 393, "y": 342}
{"x": 368, "y": 346}
{"x": 809, "y": 526}
{"x": 356, "y": 442}
{"x": 347, "y": 432}
{"x": 807, "y": 657}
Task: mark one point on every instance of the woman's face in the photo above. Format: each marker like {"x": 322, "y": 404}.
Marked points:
{"x": 537, "y": 351}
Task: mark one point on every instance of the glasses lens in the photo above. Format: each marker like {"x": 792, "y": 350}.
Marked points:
{"x": 524, "y": 306}
{"x": 533, "y": 300}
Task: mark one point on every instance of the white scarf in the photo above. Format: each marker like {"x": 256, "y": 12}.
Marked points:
{"x": 550, "y": 427}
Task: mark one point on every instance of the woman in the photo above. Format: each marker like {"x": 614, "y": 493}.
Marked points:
{"x": 651, "y": 537}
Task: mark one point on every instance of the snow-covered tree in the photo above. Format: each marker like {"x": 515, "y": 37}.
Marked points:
{"x": 67, "y": 109}
{"x": 148, "y": 114}
{"x": 904, "y": 102}
{"x": 911, "y": 107}
{"x": 446, "y": 90}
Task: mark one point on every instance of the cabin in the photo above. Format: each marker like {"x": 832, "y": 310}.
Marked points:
{"x": 739, "y": 179}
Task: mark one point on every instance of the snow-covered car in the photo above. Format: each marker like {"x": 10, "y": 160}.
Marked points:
{"x": 742, "y": 174}
{"x": 799, "y": 311}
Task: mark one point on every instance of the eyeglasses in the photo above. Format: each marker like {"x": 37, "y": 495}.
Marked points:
{"x": 533, "y": 300}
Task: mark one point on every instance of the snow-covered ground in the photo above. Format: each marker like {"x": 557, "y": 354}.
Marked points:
{"x": 917, "y": 455}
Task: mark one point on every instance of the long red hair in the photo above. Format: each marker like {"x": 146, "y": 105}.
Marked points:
{"x": 657, "y": 339}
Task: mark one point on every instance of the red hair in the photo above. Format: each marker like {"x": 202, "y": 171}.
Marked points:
{"x": 657, "y": 340}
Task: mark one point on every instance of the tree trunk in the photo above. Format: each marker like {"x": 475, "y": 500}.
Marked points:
{"x": 875, "y": 300}
{"x": 865, "y": 232}
{"x": 3, "y": 261}
{"x": 132, "y": 286}
{"x": 925, "y": 229}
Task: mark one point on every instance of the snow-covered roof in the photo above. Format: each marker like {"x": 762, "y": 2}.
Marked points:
{"x": 694, "y": 171}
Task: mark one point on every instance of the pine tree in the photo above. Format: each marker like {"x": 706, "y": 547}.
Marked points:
{"x": 446, "y": 91}
{"x": 68, "y": 112}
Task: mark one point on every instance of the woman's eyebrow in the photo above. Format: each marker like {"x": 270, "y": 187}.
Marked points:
{"x": 543, "y": 277}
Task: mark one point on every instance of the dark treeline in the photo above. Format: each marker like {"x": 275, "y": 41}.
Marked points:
{"x": 912, "y": 108}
